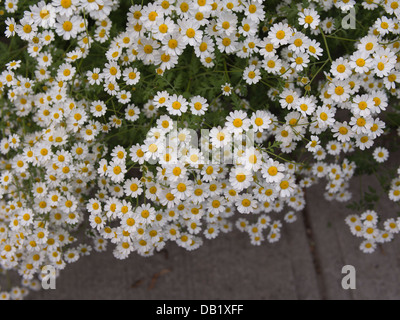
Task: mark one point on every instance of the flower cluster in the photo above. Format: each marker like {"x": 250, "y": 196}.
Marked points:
{"x": 176, "y": 121}
{"x": 366, "y": 226}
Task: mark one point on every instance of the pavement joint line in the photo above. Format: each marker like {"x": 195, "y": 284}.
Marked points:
{"x": 342, "y": 258}
{"x": 314, "y": 253}
{"x": 287, "y": 237}
{"x": 292, "y": 268}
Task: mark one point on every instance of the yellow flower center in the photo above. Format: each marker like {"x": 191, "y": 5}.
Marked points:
{"x": 67, "y": 26}
{"x": 237, "y": 122}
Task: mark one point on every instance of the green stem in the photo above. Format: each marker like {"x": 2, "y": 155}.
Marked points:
{"x": 326, "y": 44}
{"x": 319, "y": 70}
{"x": 340, "y": 38}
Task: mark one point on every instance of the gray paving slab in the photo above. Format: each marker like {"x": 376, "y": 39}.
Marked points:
{"x": 328, "y": 251}
{"x": 378, "y": 275}
{"x": 305, "y": 264}
{"x": 228, "y": 267}
{"x": 299, "y": 252}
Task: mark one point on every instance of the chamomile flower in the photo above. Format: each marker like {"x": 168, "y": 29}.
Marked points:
{"x": 248, "y": 27}
{"x": 131, "y": 76}
{"x": 132, "y": 113}
{"x": 339, "y": 91}
{"x": 237, "y": 122}
{"x": 176, "y": 105}
{"x": 280, "y": 34}
{"x": 299, "y": 61}
{"x": 111, "y": 72}
{"x": 342, "y": 131}
{"x": 252, "y": 159}
{"x": 360, "y": 62}
{"x": 68, "y": 27}
{"x": 43, "y": 14}
{"x": 220, "y": 137}
{"x": 309, "y": 18}
{"x": 251, "y": 75}
{"x": 116, "y": 171}
{"x": 26, "y": 30}
{"x": 240, "y": 178}
{"x": 198, "y": 105}
{"x": 341, "y": 69}
{"x": 384, "y": 25}
{"x": 380, "y": 154}
{"x": 65, "y": 7}
{"x": 325, "y": 117}
{"x": 94, "y": 76}
{"x": 226, "y": 23}
{"x": 13, "y": 65}
{"x": 260, "y": 121}
{"x": 225, "y": 43}
{"x": 226, "y": 89}
{"x": 305, "y": 105}
{"x": 147, "y": 50}
{"x": 272, "y": 64}
{"x": 314, "y": 144}
{"x": 11, "y": 27}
